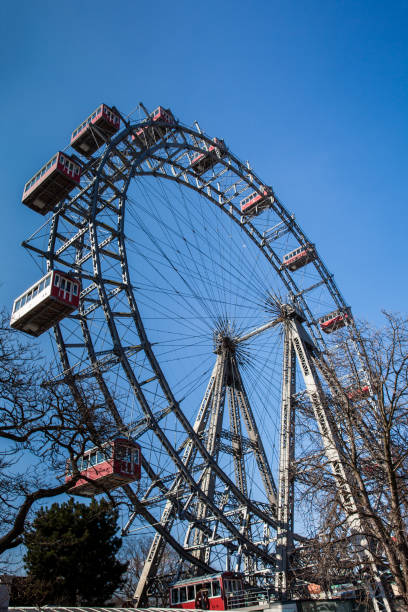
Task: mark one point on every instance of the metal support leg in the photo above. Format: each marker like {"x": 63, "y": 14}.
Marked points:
{"x": 214, "y": 430}
{"x": 285, "y": 490}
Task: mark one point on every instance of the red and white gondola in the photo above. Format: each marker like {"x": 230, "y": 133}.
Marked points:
{"x": 52, "y": 183}
{"x": 299, "y": 257}
{"x": 44, "y": 304}
{"x": 147, "y": 136}
{"x": 86, "y": 139}
{"x": 335, "y": 320}
{"x": 355, "y": 394}
{"x": 202, "y": 162}
{"x": 113, "y": 464}
{"x": 372, "y": 469}
{"x": 256, "y": 202}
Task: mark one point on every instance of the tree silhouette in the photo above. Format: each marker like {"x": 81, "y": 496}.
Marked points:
{"x": 71, "y": 554}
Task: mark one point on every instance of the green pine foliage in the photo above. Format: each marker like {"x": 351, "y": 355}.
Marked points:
{"x": 71, "y": 554}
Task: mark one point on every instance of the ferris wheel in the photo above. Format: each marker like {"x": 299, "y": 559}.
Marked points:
{"x": 200, "y": 310}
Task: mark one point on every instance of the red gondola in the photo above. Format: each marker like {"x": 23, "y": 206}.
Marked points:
{"x": 371, "y": 469}
{"x": 52, "y": 183}
{"x": 86, "y": 140}
{"x": 334, "y": 320}
{"x": 213, "y": 592}
{"x": 299, "y": 257}
{"x": 44, "y": 304}
{"x": 147, "y": 136}
{"x": 358, "y": 393}
{"x": 202, "y": 162}
{"x": 112, "y": 465}
{"x": 255, "y": 202}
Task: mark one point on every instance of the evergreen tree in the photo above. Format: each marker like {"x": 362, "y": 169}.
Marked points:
{"x": 71, "y": 554}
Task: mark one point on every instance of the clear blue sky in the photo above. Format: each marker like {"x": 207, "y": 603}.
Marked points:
{"x": 313, "y": 93}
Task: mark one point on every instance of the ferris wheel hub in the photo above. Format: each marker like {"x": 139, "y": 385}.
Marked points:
{"x": 224, "y": 343}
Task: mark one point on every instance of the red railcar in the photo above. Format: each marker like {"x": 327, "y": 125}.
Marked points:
{"x": 86, "y": 139}
{"x": 146, "y": 136}
{"x": 107, "y": 467}
{"x": 222, "y": 591}
{"x": 255, "y": 202}
{"x": 357, "y": 393}
{"x": 52, "y": 183}
{"x": 299, "y": 257}
{"x": 334, "y": 320}
{"x": 202, "y": 162}
{"x": 44, "y": 304}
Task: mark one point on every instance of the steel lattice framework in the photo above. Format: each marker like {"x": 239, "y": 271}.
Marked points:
{"x": 173, "y": 273}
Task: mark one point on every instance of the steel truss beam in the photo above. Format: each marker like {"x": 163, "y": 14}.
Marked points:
{"x": 216, "y": 413}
